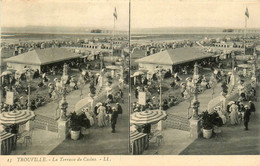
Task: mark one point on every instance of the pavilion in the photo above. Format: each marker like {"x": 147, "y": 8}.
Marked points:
{"x": 168, "y": 58}
{"x": 37, "y": 58}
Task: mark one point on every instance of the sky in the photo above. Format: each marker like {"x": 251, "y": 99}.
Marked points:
{"x": 194, "y": 13}
{"x": 75, "y": 13}
{"x": 144, "y": 13}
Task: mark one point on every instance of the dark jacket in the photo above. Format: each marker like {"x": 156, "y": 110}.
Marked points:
{"x": 114, "y": 117}
{"x": 252, "y": 107}
{"x": 119, "y": 109}
{"x": 247, "y": 115}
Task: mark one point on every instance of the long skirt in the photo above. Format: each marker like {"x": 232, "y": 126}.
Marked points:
{"x": 234, "y": 119}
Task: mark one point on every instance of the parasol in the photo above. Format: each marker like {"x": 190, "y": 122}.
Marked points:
{"x": 7, "y": 72}
{"x": 137, "y": 73}
{"x": 16, "y": 117}
{"x": 82, "y": 103}
{"x": 147, "y": 117}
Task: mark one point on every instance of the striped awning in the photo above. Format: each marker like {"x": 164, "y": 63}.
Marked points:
{"x": 147, "y": 117}
{"x": 136, "y": 135}
{"x": 4, "y": 135}
{"x": 16, "y": 117}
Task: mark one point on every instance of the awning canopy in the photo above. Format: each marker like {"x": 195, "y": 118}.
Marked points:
{"x": 5, "y": 135}
{"x": 43, "y": 56}
{"x": 136, "y": 135}
{"x": 175, "y": 56}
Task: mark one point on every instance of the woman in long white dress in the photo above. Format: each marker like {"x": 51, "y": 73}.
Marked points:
{"x": 234, "y": 114}
{"x": 101, "y": 116}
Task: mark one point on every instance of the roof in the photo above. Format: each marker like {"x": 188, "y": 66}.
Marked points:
{"x": 43, "y": 56}
{"x": 175, "y": 56}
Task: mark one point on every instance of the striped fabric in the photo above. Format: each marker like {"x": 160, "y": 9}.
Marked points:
{"x": 4, "y": 135}
{"x": 136, "y": 135}
{"x": 16, "y": 117}
{"x": 147, "y": 117}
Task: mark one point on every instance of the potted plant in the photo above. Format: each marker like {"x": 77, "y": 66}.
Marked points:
{"x": 75, "y": 126}
{"x": 207, "y": 125}
{"x": 76, "y": 123}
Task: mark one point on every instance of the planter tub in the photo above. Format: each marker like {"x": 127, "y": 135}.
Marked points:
{"x": 74, "y": 135}
{"x": 207, "y": 133}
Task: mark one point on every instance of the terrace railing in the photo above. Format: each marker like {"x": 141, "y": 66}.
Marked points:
{"x": 46, "y": 123}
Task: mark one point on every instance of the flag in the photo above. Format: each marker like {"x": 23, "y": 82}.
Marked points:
{"x": 115, "y": 14}
{"x": 247, "y": 13}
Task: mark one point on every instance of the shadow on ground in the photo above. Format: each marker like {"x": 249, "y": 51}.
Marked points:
{"x": 233, "y": 140}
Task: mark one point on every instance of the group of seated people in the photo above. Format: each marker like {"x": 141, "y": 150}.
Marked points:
{"x": 154, "y": 103}
{"x": 115, "y": 97}
{"x": 21, "y": 103}
{"x": 246, "y": 93}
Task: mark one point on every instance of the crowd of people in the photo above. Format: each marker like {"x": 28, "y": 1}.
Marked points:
{"x": 105, "y": 114}
{"x": 18, "y": 83}
{"x": 149, "y": 83}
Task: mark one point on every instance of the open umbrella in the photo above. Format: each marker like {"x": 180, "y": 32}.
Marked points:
{"x": 82, "y": 103}
{"x": 16, "y": 117}
{"x": 137, "y": 73}
{"x": 7, "y": 72}
{"x": 147, "y": 117}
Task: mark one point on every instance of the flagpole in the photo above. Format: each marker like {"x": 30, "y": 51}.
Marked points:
{"x": 245, "y": 35}
{"x": 245, "y": 31}
{"x": 113, "y": 36}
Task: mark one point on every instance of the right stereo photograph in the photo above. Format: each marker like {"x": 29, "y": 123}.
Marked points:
{"x": 194, "y": 77}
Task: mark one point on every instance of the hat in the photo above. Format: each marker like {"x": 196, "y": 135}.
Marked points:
{"x": 246, "y": 106}
{"x": 117, "y": 103}
{"x": 250, "y": 101}
{"x": 113, "y": 108}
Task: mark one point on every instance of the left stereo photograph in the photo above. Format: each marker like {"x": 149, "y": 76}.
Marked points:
{"x": 64, "y": 77}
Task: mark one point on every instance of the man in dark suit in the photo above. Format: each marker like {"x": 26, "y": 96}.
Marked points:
{"x": 119, "y": 108}
{"x": 246, "y": 116}
{"x": 114, "y": 119}
{"x": 251, "y": 106}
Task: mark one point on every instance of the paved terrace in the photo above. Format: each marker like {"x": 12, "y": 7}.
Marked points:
{"x": 233, "y": 140}
{"x": 98, "y": 141}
